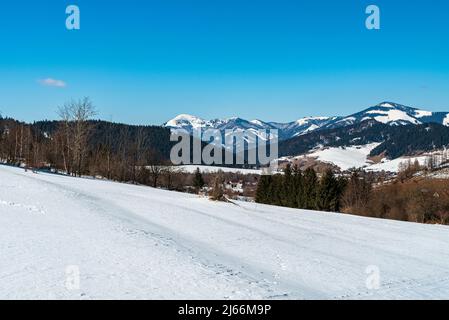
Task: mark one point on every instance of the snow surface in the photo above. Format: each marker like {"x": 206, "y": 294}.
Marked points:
{"x": 306, "y": 120}
{"x": 393, "y": 165}
{"x": 257, "y": 122}
{"x": 348, "y": 119}
{"x": 211, "y": 169}
{"x": 137, "y": 242}
{"x": 446, "y": 120}
{"x": 357, "y": 157}
{"x": 183, "y": 119}
{"x": 393, "y": 115}
{"x": 423, "y": 113}
{"x": 346, "y": 158}
{"x": 386, "y": 105}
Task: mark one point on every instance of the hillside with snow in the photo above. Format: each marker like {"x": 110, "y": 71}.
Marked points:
{"x": 128, "y": 241}
{"x": 358, "y": 156}
{"x": 345, "y": 158}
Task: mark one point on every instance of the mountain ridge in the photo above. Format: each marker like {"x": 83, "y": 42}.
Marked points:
{"x": 390, "y": 113}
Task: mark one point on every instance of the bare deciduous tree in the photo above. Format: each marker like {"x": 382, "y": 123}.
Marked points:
{"x": 75, "y": 117}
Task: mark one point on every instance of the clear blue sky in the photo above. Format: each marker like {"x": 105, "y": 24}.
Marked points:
{"x": 147, "y": 61}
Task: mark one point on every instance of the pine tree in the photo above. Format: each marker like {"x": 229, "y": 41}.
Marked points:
{"x": 198, "y": 181}
{"x": 309, "y": 190}
{"x": 263, "y": 187}
{"x": 275, "y": 190}
{"x": 329, "y": 192}
{"x": 298, "y": 187}
{"x": 288, "y": 196}
{"x": 341, "y": 187}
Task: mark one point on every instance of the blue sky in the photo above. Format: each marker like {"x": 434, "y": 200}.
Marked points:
{"x": 146, "y": 61}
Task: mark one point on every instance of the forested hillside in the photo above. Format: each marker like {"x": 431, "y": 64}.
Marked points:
{"x": 90, "y": 147}
{"x": 395, "y": 141}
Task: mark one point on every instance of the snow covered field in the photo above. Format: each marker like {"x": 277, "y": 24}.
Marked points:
{"x": 346, "y": 158}
{"x": 357, "y": 157}
{"x": 213, "y": 169}
{"x": 395, "y": 164}
{"x": 136, "y": 242}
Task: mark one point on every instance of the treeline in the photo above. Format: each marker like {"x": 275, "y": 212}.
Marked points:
{"x": 416, "y": 194}
{"x": 303, "y": 190}
{"x": 77, "y": 145}
{"x": 408, "y": 197}
{"x": 415, "y": 200}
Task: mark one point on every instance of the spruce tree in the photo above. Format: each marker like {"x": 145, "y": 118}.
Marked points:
{"x": 275, "y": 190}
{"x": 198, "y": 181}
{"x": 329, "y": 192}
{"x": 288, "y": 195}
{"x": 298, "y": 187}
{"x": 309, "y": 189}
{"x": 342, "y": 184}
{"x": 263, "y": 187}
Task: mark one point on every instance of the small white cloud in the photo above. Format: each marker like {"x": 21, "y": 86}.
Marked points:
{"x": 49, "y": 82}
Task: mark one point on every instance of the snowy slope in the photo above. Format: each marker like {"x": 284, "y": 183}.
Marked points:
{"x": 137, "y": 242}
{"x": 357, "y": 157}
{"x": 346, "y": 158}
{"x": 211, "y": 169}
{"x": 446, "y": 120}
{"x": 394, "y": 165}
{"x": 187, "y": 122}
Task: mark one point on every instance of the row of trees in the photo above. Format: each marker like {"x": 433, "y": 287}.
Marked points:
{"x": 78, "y": 145}
{"x": 304, "y": 190}
{"x": 407, "y": 197}
{"x": 433, "y": 162}
{"x": 415, "y": 200}
{"x": 20, "y": 143}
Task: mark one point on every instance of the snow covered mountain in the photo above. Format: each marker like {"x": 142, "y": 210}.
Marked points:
{"x": 189, "y": 123}
{"x": 286, "y": 130}
{"x": 394, "y": 114}
{"x": 386, "y": 112}
{"x": 360, "y": 144}
{"x": 303, "y": 126}
{"x": 234, "y": 125}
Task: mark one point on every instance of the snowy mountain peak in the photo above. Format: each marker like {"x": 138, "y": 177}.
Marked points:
{"x": 396, "y": 114}
{"x": 258, "y": 122}
{"x": 185, "y": 121}
{"x": 307, "y": 120}
{"x": 391, "y": 105}
{"x": 187, "y": 117}
{"x": 385, "y": 105}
